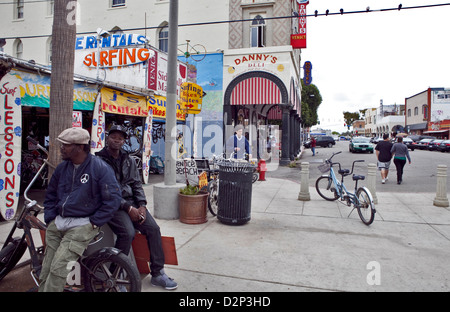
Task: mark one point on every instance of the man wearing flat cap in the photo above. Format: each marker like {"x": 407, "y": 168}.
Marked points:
{"x": 82, "y": 195}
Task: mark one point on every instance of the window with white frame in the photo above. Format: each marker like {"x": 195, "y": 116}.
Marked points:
{"x": 257, "y": 32}
{"x": 18, "y": 49}
{"x": 18, "y": 9}
{"x": 50, "y": 7}
{"x": 117, "y": 3}
{"x": 49, "y": 50}
{"x": 163, "y": 39}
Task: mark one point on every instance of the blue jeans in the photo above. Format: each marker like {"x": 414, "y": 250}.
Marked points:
{"x": 125, "y": 230}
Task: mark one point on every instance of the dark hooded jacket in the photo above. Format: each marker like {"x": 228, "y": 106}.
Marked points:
{"x": 90, "y": 190}
{"x": 129, "y": 179}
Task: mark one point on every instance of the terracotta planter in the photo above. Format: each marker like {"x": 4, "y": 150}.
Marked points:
{"x": 193, "y": 208}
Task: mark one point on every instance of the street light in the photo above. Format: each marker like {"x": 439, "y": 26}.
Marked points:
{"x": 100, "y": 34}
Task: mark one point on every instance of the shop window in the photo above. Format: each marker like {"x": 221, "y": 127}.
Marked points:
{"x": 257, "y": 32}
{"x": 163, "y": 39}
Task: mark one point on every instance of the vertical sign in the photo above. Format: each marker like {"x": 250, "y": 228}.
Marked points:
{"x": 10, "y": 145}
{"x": 147, "y": 146}
{"x": 298, "y": 41}
{"x": 98, "y": 127}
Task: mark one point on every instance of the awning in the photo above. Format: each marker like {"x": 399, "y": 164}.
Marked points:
{"x": 255, "y": 90}
{"x": 436, "y": 131}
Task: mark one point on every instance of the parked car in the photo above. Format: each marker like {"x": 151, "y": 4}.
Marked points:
{"x": 418, "y": 137}
{"x": 423, "y": 144}
{"x": 433, "y": 145}
{"x": 410, "y": 143}
{"x": 360, "y": 144}
{"x": 323, "y": 141}
{"x": 444, "y": 146}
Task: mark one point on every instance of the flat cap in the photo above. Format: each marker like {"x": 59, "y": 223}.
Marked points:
{"x": 74, "y": 135}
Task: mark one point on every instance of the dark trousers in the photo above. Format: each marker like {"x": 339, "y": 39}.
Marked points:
{"x": 125, "y": 230}
{"x": 399, "y": 164}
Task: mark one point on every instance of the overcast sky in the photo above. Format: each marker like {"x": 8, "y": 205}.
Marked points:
{"x": 359, "y": 59}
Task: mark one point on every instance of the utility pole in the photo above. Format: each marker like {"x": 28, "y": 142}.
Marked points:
{"x": 171, "y": 109}
{"x": 165, "y": 195}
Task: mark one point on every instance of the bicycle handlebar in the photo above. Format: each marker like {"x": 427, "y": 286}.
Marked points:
{"x": 37, "y": 144}
{"x": 336, "y": 163}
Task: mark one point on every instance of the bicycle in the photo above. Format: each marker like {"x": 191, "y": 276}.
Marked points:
{"x": 105, "y": 270}
{"x": 331, "y": 189}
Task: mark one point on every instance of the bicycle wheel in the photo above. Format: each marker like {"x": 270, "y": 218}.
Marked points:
{"x": 364, "y": 206}
{"x": 112, "y": 274}
{"x": 326, "y": 188}
{"x": 132, "y": 145}
{"x": 10, "y": 255}
{"x": 213, "y": 198}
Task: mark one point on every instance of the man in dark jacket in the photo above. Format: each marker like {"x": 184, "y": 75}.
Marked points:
{"x": 133, "y": 213}
{"x": 82, "y": 195}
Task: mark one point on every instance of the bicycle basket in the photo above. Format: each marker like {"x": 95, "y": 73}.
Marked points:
{"x": 324, "y": 168}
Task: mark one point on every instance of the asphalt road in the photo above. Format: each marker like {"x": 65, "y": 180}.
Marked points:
{"x": 420, "y": 176}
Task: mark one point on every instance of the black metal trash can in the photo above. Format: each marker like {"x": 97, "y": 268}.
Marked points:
{"x": 235, "y": 192}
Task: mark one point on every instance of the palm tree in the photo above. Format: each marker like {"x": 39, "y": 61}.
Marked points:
{"x": 61, "y": 86}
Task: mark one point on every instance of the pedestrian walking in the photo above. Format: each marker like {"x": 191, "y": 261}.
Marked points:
{"x": 400, "y": 153}
{"x": 384, "y": 156}
{"x": 313, "y": 145}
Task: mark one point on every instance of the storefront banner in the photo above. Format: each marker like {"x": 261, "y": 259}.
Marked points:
{"x": 147, "y": 144}
{"x": 158, "y": 104}
{"x": 277, "y": 63}
{"x": 157, "y": 73}
{"x": 35, "y": 91}
{"x": 117, "y": 102}
{"x": 10, "y": 145}
{"x": 98, "y": 127}
{"x": 121, "y": 58}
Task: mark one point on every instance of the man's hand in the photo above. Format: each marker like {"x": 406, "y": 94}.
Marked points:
{"x": 137, "y": 214}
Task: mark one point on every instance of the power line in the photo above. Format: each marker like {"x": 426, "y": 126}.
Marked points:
{"x": 316, "y": 14}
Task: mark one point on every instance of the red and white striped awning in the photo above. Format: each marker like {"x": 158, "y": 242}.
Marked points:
{"x": 255, "y": 90}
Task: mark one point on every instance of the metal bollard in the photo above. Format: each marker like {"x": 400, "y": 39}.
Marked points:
{"x": 441, "y": 199}
{"x": 372, "y": 181}
{"x": 304, "y": 182}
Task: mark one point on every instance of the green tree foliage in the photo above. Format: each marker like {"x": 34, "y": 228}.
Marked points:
{"x": 350, "y": 117}
{"x": 311, "y": 99}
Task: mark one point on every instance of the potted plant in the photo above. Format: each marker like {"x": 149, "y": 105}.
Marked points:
{"x": 193, "y": 204}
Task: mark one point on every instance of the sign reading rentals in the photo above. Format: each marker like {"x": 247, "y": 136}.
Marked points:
{"x": 122, "y": 103}
{"x": 10, "y": 145}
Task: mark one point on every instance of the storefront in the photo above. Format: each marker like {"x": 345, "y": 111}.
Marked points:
{"x": 262, "y": 89}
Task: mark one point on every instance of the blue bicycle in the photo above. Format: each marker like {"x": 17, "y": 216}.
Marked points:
{"x": 330, "y": 188}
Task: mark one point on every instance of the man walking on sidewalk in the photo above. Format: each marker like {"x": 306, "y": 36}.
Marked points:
{"x": 384, "y": 156}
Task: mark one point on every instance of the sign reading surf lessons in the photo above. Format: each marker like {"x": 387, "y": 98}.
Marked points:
{"x": 10, "y": 145}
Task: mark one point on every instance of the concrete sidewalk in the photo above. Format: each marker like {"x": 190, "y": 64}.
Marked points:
{"x": 292, "y": 245}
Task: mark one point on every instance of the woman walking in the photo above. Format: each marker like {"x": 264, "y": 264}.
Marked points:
{"x": 400, "y": 153}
